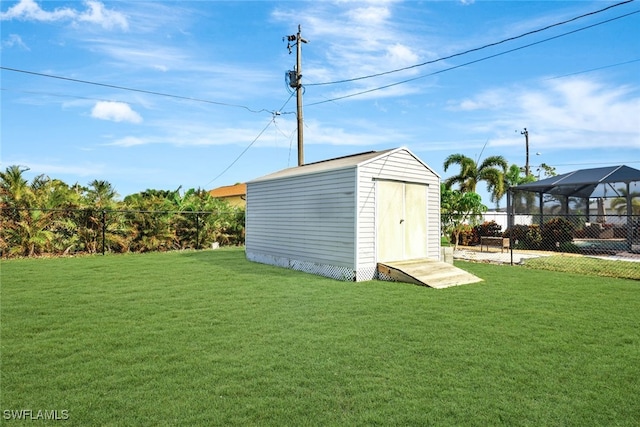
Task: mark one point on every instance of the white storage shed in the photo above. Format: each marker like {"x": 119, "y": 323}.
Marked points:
{"x": 340, "y": 217}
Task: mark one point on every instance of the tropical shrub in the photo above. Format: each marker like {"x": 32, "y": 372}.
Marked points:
{"x": 48, "y": 217}
{"x": 466, "y": 235}
{"x": 555, "y": 232}
{"x": 489, "y": 228}
{"x": 525, "y": 236}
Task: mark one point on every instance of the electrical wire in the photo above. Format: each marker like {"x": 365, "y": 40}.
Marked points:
{"x": 274, "y": 113}
{"x": 589, "y": 163}
{"x": 470, "y": 62}
{"x": 59, "y": 95}
{"x": 273, "y": 119}
{"x": 149, "y": 92}
{"x": 594, "y": 69}
{"x": 332, "y": 82}
{"x": 289, "y": 137}
{"x": 243, "y": 151}
{"x": 346, "y": 80}
{"x": 474, "y": 49}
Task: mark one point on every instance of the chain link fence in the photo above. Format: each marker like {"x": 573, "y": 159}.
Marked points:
{"x": 602, "y": 244}
{"x": 41, "y": 232}
{"x": 599, "y": 243}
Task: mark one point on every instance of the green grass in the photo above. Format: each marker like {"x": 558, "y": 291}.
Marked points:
{"x": 587, "y": 266}
{"x": 207, "y": 338}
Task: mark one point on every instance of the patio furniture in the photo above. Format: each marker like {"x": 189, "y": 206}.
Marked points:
{"x": 499, "y": 242}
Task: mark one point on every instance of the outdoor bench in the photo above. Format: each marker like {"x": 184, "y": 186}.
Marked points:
{"x": 498, "y": 242}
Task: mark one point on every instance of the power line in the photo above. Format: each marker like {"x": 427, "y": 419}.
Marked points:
{"x": 594, "y": 69}
{"x": 472, "y": 50}
{"x": 59, "y": 95}
{"x": 289, "y": 137}
{"x": 589, "y": 163}
{"x": 149, "y": 92}
{"x": 472, "y": 62}
{"x": 273, "y": 119}
{"x": 243, "y": 151}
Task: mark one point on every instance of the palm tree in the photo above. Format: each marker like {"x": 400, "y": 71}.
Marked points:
{"x": 523, "y": 201}
{"x": 619, "y": 204}
{"x": 101, "y": 194}
{"x": 14, "y": 188}
{"x": 491, "y": 170}
{"x": 31, "y": 235}
{"x": 101, "y": 215}
{"x": 149, "y": 218}
{"x": 29, "y": 219}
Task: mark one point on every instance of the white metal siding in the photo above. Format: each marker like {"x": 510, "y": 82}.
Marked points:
{"x": 304, "y": 218}
{"x": 400, "y": 165}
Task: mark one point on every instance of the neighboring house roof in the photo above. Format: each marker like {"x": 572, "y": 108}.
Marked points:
{"x": 229, "y": 191}
{"x": 334, "y": 164}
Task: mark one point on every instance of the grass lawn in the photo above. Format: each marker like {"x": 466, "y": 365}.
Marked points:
{"x": 587, "y": 265}
{"x": 207, "y": 338}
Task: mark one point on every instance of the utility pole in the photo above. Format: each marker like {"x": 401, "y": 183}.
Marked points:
{"x": 295, "y": 81}
{"x": 527, "y": 171}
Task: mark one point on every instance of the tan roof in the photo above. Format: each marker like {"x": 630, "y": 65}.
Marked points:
{"x": 229, "y": 191}
{"x": 325, "y": 165}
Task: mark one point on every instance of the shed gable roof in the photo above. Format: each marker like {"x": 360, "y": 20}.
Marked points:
{"x": 338, "y": 163}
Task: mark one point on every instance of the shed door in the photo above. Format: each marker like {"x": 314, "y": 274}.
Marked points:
{"x": 401, "y": 221}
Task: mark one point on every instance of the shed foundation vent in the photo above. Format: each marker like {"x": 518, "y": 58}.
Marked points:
{"x": 332, "y": 271}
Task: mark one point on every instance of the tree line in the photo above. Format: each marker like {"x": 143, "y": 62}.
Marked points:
{"x": 49, "y": 217}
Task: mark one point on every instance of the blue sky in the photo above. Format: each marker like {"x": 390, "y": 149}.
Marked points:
{"x": 575, "y": 86}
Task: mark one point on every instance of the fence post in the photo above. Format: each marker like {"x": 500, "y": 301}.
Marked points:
{"x": 197, "y": 231}
{"x": 630, "y": 218}
{"x": 510, "y": 221}
{"x": 104, "y": 228}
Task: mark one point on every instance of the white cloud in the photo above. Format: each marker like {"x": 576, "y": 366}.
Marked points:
{"x": 364, "y": 133}
{"x": 585, "y": 106}
{"x": 54, "y": 170}
{"x": 136, "y": 54}
{"x": 29, "y": 10}
{"x": 486, "y": 100}
{"x": 566, "y": 113}
{"x": 400, "y": 55}
{"x": 96, "y": 13}
{"x": 357, "y": 40}
{"x": 370, "y": 15}
{"x": 14, "y": 40}
{"x": 129, "y": 141}
{"x": 115, "y": 111}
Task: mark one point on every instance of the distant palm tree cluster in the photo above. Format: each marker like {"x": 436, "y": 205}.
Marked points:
{"x": 463, "y": 205}
{"x": 49, "y": 217}
{"x": 494, "y": 171}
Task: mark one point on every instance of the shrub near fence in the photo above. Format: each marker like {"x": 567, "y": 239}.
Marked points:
{"x": 570, "y": 233}
{"x": 612, "y": 250}
{"x": 36, "y": 232}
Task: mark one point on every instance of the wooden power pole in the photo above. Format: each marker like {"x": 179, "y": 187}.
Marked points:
{"x": 295, "y": 81}
{"x": 527, "y": 170}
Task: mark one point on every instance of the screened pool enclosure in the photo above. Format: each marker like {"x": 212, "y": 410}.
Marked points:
{"x": 585, "y": 211}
